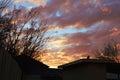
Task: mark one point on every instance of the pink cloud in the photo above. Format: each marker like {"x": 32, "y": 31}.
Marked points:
{"x": 81, "y": 13}
{"x": 87, "y": 43}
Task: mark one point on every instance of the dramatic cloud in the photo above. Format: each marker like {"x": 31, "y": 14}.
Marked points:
{"x": 81, "y": 12}
{"x": 100, "y": 18}
{"x": 89, "y": 41}
{"x": 79, "y": 45}
{"x": 95, "y": 21}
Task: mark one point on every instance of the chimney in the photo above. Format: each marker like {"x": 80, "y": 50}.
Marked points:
{"x": 88, "y": 57}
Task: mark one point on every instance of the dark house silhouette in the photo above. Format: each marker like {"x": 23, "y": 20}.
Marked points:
{"x": 30, "y": 67}
{"x": 25, "y": 68}
{"x": 91, "y": 69}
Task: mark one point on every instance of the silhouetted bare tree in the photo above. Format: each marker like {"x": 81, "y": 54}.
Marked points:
{"x": 4, "y": 4}
{"x": 109, "y": 52}
{"x": 21, "y": 32}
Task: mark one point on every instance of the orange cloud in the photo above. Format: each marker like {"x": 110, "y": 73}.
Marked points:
{"x": 56, "y": 59}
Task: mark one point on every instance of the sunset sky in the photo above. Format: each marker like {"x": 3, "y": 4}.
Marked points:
{"x": 80, "y": 26}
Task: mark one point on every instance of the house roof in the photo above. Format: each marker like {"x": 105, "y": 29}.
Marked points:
{"x": 30, "y": 66}
{"x": 111, "y": 66}
{"x": 82, "y": 61}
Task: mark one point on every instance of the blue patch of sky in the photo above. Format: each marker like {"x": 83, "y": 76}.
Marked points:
{"x": 25, "y": 4}
{"x": 72, "y": 29}
{"x": 68, "y": 30}
{"x": 83, "y": 30}
{"x": 48, "y": 1}
{"x": 58, "y": 13}
{"x": 93, "y": 27}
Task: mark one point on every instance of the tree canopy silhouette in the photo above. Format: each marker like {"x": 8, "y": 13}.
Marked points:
{"x": 21, "y": 31}
{"x": 109, "y": 52}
